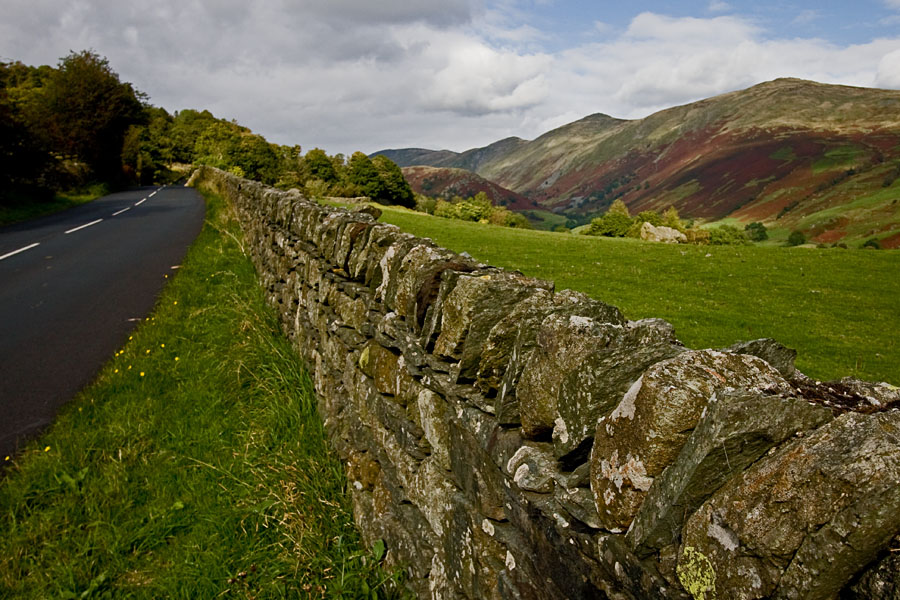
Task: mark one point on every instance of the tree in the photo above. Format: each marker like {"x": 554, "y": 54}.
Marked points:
{"x": 23, "y": 160}
{"x": 649, "y": 216}
{"x": 796, "y": 238}
{"x": 85, "y": 112}
{"x": 256, "y": 157}
{"x": 362, "y": 173}
{"x": 671, "y": 219}
{"x": 725, "y": 235}
{"x": 618, "y": 208}
{"x": 756, "y": 231}
{"x": 396, "y": 188}
{"x": 317, "y": 165}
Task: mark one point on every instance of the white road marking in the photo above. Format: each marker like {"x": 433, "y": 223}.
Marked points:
{"x": 83, "y": 226}
{"x": 153, "y": 194}
{"x": 121, "y": 211}
{"x": 141, "y": 202}
{"x": 7, "y": 255}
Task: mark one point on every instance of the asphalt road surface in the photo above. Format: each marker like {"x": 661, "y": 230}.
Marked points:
{"x": 72, "y": 287}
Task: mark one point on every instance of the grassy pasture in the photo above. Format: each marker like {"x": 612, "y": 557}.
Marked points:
{"x": 195, "y": 466}
{"x": 840, "y": 309}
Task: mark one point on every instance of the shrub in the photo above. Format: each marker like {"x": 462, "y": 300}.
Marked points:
{"x": 518, "y": 221}
{"x": 727, "y": 235}
{"x": 671, "y": 219}
{"x": 425, "y": 204}
{"x": 697, "y": 236}
{"x": 796, "y": 238}
{"x": 756, "y": 231}
{"x": 649, "y": 216}
{"x": 610, "y": 225}
{"x": 445, "y": 209}
{"x": 871, "y": 243}
{"x": 315, "y": 188}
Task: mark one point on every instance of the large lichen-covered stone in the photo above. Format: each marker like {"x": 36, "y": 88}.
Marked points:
{"x": 388, "y": 369}
{"x": 881, "y": 580}
{"x": 474, "y": 558}
{"x": 418, "y": 281}
{"x": 607, "y": 373}
{"x": 654, "y": 419}
{"x": 431, "y": 411}
{"x": 737, "y": 427}
{"x": 511, "y": 341}
{"x": 562, "y": 344}
{"x": 777, "y": 355}
{"x": 579, "y": 370}
{"x": 801, "y": 523}
{"x": 472, "y": 308}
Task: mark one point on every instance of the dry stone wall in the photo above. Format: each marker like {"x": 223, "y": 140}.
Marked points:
{"x": 509, "y": 441}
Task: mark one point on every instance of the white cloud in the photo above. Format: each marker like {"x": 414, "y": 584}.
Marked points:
{"x": 349, "y": 74}
{"x": 662, "y": 61}
{"x": 807, "y": 16}
{"x": 889, "y": 71}
{"x": 718, "y": 6}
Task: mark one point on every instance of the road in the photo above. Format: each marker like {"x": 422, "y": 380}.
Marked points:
{"x": 72, "y": 287}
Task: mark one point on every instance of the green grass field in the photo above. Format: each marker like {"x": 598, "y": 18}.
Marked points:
{"x": 195, "y": 466}
{"x": 840, "y": 309}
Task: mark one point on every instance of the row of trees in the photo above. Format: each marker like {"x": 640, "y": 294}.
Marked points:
{"x": 618, "y": 222}
{"x": 65, "y": 126}
{"x": 77, "y": 124}
{"x": 477, "y": 208}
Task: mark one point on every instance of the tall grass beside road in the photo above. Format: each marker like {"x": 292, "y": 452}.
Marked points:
{"x": 196, "y": 465}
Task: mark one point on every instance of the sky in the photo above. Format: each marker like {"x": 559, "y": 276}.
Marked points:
{"x": 347, "y": 75}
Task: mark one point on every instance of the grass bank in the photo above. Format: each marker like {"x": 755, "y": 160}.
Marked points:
{"x": 194, "y": 467}
{"x": 15, "y": 210}
{"x": 838, "y": 308}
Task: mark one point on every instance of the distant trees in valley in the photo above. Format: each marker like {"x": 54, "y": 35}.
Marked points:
{"x": 618, "y": 222}
{"x": 477, "y": 208}
{"x": 76, "y": 124}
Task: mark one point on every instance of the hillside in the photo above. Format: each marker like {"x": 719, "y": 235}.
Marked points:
{"x": 444, "y": 182}
{"x": 794, "y": 154}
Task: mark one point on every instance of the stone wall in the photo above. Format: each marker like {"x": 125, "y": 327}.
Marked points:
{"x": 509, "y": 441}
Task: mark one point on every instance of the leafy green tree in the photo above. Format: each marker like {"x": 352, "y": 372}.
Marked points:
{"x": 216, "y": 144}
{"x": 670, "y": 218}
{"x": 727, "y": 235}
{"x": 618, "y": 208}
{"x": 317, "y": 165}
{"x": 797, "y": 238}
{"x": 23, "y": 160}
{"x": 649, "y": 216}
{"x": 612, "y": 224}
{"x": 84, "y": 112}
{"x": 396, "y": 189}
{"x": 363, "y": 173}
{"x": 256, "y": 157}
{"x": 756, "y": 231}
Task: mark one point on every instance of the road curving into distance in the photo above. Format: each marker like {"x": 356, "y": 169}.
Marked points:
{"x": 72, "y": 287}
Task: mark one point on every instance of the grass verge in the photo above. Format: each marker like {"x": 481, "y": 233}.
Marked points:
{"x": 838, "y": 308}
{"x": 24, "y": 209}
{"x": 195, "y": 466}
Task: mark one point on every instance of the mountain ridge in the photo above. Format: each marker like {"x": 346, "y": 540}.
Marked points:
{"x": 779, "y": 152}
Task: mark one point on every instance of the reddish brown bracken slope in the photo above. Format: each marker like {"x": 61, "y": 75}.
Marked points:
{"x": 442, "y": 182}
{"x": 794, "y": 154}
